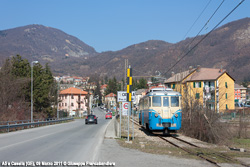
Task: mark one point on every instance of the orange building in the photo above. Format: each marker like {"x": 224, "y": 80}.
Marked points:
{"x": 239, "y": 93}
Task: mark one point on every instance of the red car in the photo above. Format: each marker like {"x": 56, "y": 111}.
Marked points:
{"x": 108, "y": 115}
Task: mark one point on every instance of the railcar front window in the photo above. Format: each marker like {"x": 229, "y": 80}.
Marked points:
{"x": 165, "y": 102}
{"x": 156, "y": 101}
{"x": 175, "y": 101}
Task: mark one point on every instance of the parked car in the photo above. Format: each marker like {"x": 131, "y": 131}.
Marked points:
{"x": 91, "y": 119}
{"x": 108, "y": 115}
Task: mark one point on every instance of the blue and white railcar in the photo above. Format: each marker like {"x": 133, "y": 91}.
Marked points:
{"x": 160, "y": 110}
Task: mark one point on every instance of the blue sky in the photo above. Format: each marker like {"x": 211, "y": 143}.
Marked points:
{"x": 115, "y": 24}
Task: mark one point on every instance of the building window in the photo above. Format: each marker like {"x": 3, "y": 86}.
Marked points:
{"x": 72, "y": 96}
{"x": 62, "y": 104}
{"x": 197, "y": 84}
{"x": 226, "y": 95}
{"x": 226, "y": 107}
{"x": 226, "y": 84}
{"x": 197, "y": 95}
{"x": 72, "y": 104}
{"x": 65, "y": 104}
{"x": 173, "y": 87}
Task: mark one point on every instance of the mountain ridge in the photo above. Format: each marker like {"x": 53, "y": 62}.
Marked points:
{"x": 227, "y": 46}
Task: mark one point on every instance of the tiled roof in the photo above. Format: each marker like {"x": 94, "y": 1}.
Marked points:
{"x": 111, "y": 95}
{"x": 206, "y": 74}
{"x": 237, "y": 86}
{"x": 179, "y": 76}
{"x": 73, "y": 90}
{"x": 104, "y": 86}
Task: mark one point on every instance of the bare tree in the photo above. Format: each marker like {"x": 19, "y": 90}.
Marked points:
{"x": 12, "y": 100}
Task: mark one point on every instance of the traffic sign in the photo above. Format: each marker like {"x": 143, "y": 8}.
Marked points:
{"x": 124, "y": 108}
{"x": 122, "y": 96}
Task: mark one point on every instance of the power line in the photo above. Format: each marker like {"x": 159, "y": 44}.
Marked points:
{"x": 206, "y": 23}
{"x": 205, "y": 36}
{"x": 197, "y": 19}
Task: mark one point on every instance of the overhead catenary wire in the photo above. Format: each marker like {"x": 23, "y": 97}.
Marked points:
{"x": 197, "y": 19}
{"x": 204, "y": 36}
{"x": 206, "y": 24}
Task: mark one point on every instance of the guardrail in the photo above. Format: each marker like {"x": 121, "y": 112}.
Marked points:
{"x": 27, "y": 123}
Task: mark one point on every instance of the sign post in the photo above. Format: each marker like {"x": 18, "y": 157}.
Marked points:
{"x": 120, "y": 127}
{"x": 129, "y": 93}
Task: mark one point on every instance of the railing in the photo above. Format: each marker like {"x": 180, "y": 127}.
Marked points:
{"x": 26, "y": 123}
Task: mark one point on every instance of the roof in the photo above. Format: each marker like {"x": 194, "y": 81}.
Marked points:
{"x": 179, "y": 76}
{"x": 207, "y": 74}
{"x": 111, "y": 95}
{"x": 73, "y": 90}
{"x": 140, "y": 91}
{"x": 104, "y": 86}
{"x": 153, "y": 87}
{"x": 237, "y": 86}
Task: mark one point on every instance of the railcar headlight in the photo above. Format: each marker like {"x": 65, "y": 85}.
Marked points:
{"x": 176, "y": 115}
{"x": 156, "y": 115}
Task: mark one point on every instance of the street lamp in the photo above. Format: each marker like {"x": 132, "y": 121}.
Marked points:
{"x": 31, "y": 109}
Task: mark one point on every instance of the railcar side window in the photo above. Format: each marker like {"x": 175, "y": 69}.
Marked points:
{"x": 165, "y": 102}
{"x": 156, "y": 101}
{"x": 175, "y": 101}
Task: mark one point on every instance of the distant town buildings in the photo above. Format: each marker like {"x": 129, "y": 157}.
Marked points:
{"x": 240, "y": 93}
{"x": 75, "y": 94}
{"x": 110, "y": 100}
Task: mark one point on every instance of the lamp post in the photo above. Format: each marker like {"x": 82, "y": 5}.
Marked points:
{"x": 31, "y": 109}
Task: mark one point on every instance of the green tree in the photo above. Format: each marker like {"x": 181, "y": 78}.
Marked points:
{"x": 43, "y": 82}
{"x": 112, "y": 86}
{"x": 20, "y": 67}
{"x": 142, "y": 84}
{"x": 98, "y": 92}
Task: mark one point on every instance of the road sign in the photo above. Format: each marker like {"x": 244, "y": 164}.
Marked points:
{"x": 122, "y": 96}
{"x": 124, "y": 108}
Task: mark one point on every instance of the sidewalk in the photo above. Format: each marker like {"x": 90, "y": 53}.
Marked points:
{"x": 110, "y": 131}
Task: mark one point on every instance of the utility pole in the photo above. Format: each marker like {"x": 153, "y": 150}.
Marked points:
{"x": 31, "y": 108}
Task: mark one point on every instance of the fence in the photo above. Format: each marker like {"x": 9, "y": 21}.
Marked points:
{"x": 26, "y": 123}
{"x": 236, "y": 115}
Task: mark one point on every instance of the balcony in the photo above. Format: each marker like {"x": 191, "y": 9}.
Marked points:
{"x": 79, "y": 101}
{"x": 207, "y": 89}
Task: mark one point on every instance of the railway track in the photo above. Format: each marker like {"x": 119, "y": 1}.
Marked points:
{"x": 211, "y": 157}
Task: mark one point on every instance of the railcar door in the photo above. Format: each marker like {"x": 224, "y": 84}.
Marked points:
{"x": 166, "y": 108}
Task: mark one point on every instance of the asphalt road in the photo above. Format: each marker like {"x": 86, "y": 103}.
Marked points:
{"x": 73, "y": 141}
{"x": 77, "y": 142}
